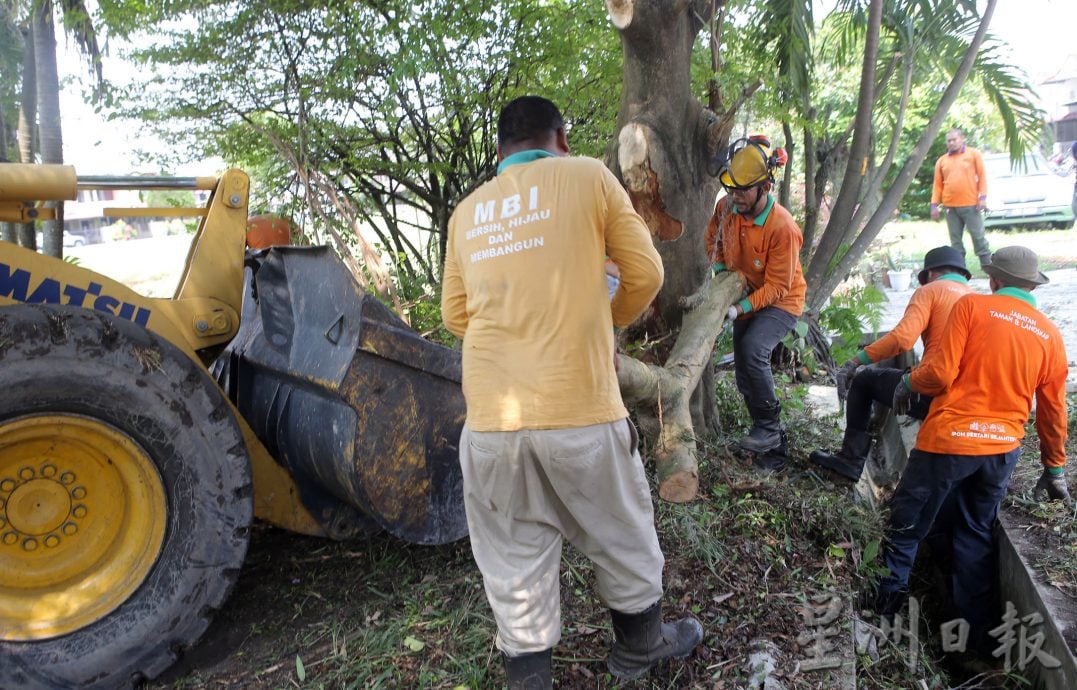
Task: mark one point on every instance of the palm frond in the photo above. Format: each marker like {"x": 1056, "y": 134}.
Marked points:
{"x": 1009, "y": 89}
{"x": 79, "y": 26}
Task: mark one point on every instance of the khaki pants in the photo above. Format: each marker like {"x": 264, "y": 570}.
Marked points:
{"x": 526, "y": 490}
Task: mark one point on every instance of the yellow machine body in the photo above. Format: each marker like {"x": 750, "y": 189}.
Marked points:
{"x": 201, "y": 316}
{"x": 140, "y": 436}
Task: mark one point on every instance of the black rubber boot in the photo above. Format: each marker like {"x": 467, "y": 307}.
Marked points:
{"x": 766, "y": 432}
{"x": 888, "y": 604}
{"x": 642, "y": 640}
{"x": 531, "y": 671}
{"x": 774, "y": 460}
{"x": 849, "y": 461}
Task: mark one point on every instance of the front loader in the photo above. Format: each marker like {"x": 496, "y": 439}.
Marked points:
{"x": 139, "y": 437}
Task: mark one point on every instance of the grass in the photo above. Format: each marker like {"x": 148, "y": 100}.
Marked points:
{"x": 908, "y": 241}
{"x": 745, "y": 559}
{"x": 1052, "y": 525}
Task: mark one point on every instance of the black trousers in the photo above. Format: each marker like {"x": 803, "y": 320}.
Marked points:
{"x": 970, "y": 488}
{"x": 754, "y": 339}
{"x": 877, "y": 384}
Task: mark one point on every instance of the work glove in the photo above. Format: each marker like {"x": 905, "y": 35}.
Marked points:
{"x": 732, "y": 313}
{"x": 844, "y": 379}
{"x": 1054, "y": 485}
{"x": 902, "y": 401}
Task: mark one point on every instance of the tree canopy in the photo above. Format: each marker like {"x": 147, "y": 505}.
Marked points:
{"x": 364, "y": 113}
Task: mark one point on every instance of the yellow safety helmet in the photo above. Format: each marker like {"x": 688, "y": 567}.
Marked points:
{"x": 750, "y": 162}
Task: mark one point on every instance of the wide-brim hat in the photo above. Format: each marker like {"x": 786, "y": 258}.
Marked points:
{"x": 943, "y": 256}
{"x": 1016, "y": 265}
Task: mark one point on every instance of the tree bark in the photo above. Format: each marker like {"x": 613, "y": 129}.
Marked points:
{"x": 665, "y": 139}
{"x": 856, "y": 166}
{"x": 666, "y": 146}
{"x": 785, "y": 192}
{"x": 48, "y": 100}
{"x": 24, "y": 232}
{"x": 665, "y": 393}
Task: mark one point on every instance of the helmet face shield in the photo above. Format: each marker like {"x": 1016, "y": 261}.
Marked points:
{"x": 748, "y": 164}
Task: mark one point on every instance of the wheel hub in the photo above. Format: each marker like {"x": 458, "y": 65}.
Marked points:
{"x": 40, "y": 507}
{"x": 82, "y": 519}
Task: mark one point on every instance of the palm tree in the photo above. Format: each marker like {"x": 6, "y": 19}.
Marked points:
{"x": 11, "y": 59}
{"x": 41, "y": 93}
{"x": 955, "y": 35}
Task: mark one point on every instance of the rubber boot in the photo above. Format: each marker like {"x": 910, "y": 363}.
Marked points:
{"x": 530, "y": 671}
{"x": 641, "y": 640}
{"x": 849, "y": 461}
{"x": 766, "y": 432}
{"x": 985, "y": 259}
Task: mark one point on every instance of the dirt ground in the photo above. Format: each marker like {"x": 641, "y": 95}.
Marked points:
{"x": 292, "y": 585}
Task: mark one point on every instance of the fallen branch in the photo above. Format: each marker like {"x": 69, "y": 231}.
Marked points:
{"x": 671, "y": 386}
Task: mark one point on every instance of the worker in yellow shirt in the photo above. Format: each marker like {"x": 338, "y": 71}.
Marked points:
{"x": 961, "y": 187}
{"x": 547, "y": 451}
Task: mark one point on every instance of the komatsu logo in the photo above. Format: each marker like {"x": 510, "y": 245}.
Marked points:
{"x": 16, "y": 285}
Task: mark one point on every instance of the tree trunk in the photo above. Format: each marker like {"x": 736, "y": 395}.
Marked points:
{"x": 819, "y": 292}
{"x": 856, "y": 166}
{"x": 48, "y": 99}
{"x": 666, "y": 139}
{"x": 784, "y": 193}
{"x": 24, "y": 232}
{"x": 811, "y": 193}
{"x": 664, "y": 155}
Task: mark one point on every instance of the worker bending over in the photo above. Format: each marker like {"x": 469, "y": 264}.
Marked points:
{"x": 943, "y": 279}
{"x": 997, "y": 352}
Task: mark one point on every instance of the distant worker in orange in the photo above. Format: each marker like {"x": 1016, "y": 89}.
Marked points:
{"x": 751, "y": 233}
{"x": 944, "y": 280}
{"x": 961, "y": 186}
{"x": 997, "y": 352}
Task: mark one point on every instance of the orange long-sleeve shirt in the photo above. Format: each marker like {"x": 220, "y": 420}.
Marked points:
{"x": 996, "y": 352}
{"x": 765, "y": 249}
{"x": 926, "y": 314}
{"x": 959, "y": 179}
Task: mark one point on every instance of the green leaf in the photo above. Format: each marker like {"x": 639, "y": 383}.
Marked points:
{"x": 414, "y": 644}
{"x": 300, "y": 669}
{"x": 836, "y": 551}
{"x": 871, "y": 550}
{"x": 801, "y": 328}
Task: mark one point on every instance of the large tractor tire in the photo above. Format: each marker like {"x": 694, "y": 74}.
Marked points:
{"x": 125, "y": 500}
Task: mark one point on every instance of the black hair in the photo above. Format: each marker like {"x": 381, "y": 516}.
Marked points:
{"x": 528, "y": 118}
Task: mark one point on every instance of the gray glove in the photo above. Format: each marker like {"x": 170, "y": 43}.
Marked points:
{"x": 1054, "y": 485}
{"x": 844, "y": 379}
{"x": 902, "y": 399}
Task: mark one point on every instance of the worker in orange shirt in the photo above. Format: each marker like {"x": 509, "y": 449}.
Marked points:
{"x": 996, "y": 353}
{"x": 944, "y": 280}
{"x": 751, "y": 233}
{"x": 961, "y": 186}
